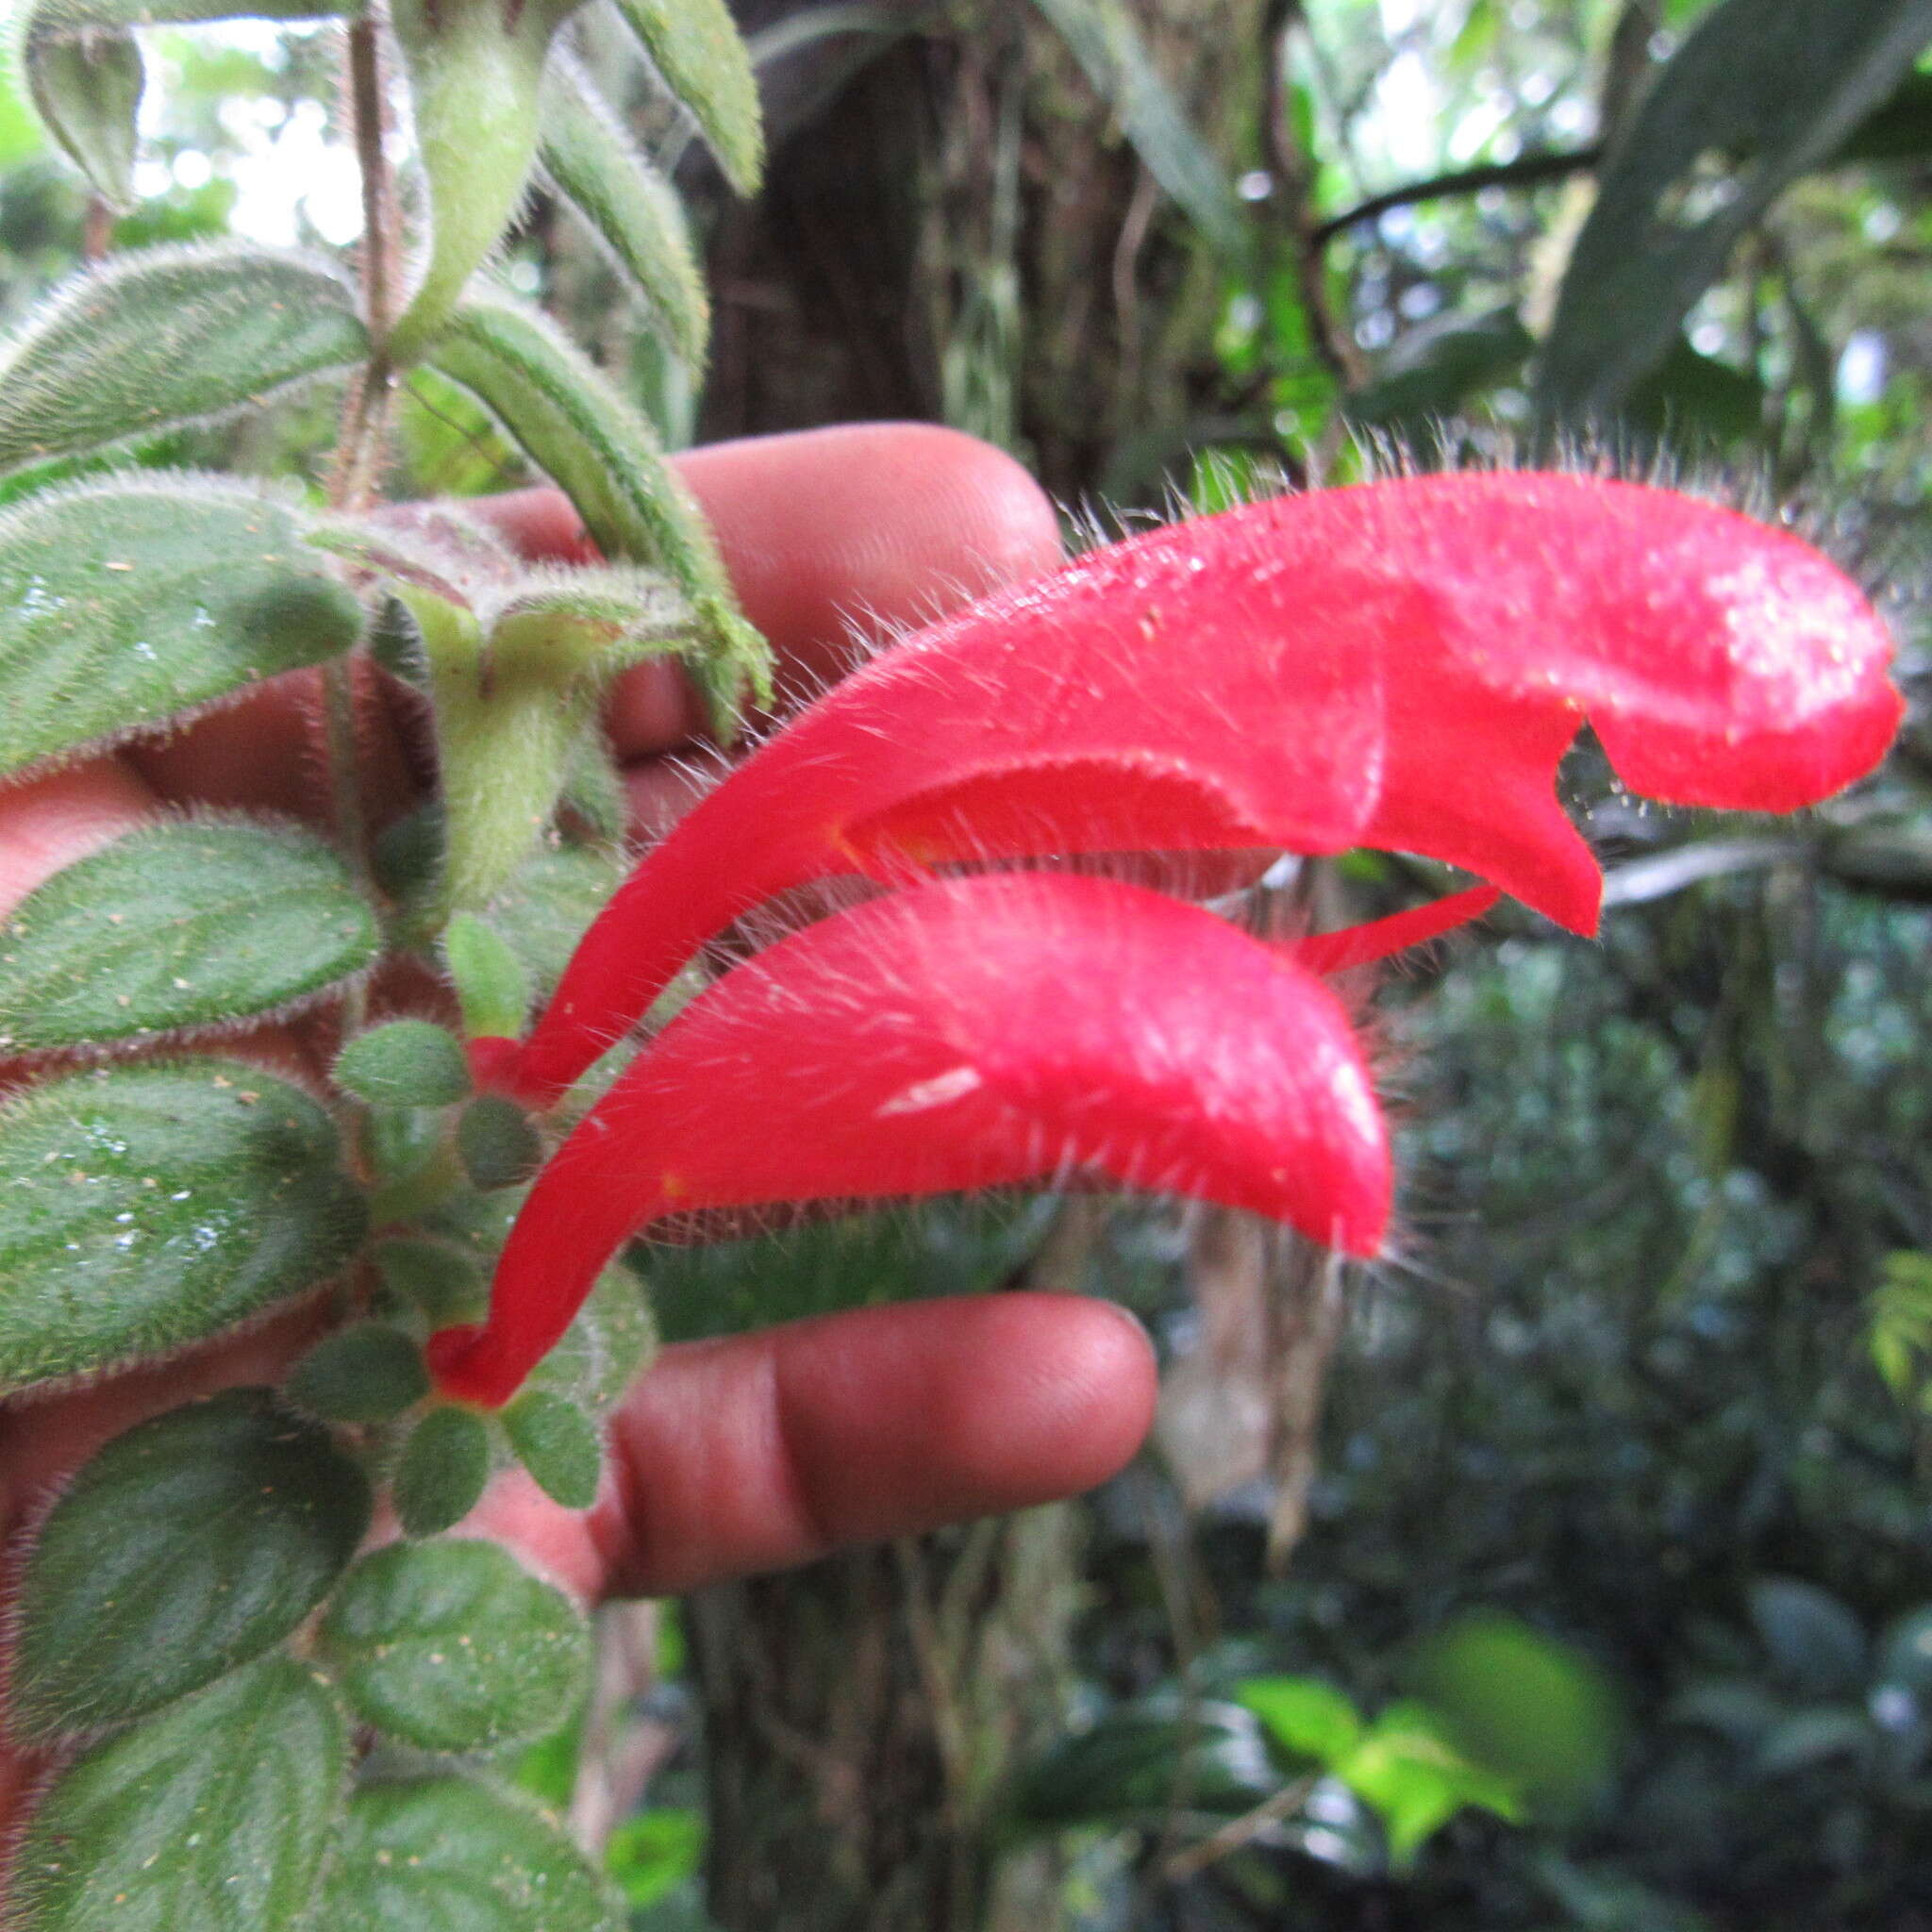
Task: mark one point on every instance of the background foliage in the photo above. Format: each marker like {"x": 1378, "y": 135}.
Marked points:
{"x": 1611, "y": 1604}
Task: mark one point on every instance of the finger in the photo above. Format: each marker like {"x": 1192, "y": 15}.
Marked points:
{"x": 768, "y": 1449}
{"x": 865, "y": 528}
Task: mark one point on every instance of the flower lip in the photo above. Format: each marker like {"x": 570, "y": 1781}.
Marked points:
{"x": 1399, "y": 664}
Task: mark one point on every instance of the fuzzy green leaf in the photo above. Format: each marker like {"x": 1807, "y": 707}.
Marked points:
{"x": 454, "y": 1855}
{"x": 575, "y": 426}
{"x": 559, "y": 1444}
{"x": 443, "y": 1468}
{"x": 188, "y": 1546}
{"x": 85, "y": 76}
{"x": 368, "y": 1373}
{"x": 475, "y": 74}
{"x": 87, "y": 90}
{"x": 404, "y": 1063}
{"x": 445, "y": 1281}
{"x": 130, "y": 601}
{"x": 177, "y": 926}
{"x": 630, "y": 208}
{"x": 148, "y": 1206}
{"x": 492, "y": 985}
{"x": 603, "y": 1349}
{"x": 696, "y": 46}
{"x": 165, "y": 337}
{"x": 547, "y": 907}
{"x": 497, "y": 1142}
{"x": 455, "y": 1646}
{"x": 217, "y": 1816}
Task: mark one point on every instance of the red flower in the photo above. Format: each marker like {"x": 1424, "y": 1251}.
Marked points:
{"x": 1399, "y": 665}
{"x": 971, "y": 1034}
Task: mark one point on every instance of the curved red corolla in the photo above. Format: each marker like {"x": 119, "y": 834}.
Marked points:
{"x": 1399, "y": 664}
{"x": 971, "y": 1034}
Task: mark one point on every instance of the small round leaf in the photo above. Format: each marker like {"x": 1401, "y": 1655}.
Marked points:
{"x": 216, "y": 1816}
{"x": 188, "y": 1546}
{"x": 405, "y": 1063}
{"x": 435, "y": 1855}
{"x": 454, "y": 1647}
{"x": 444, "y": 1466}
{"x": 497, "y": 1142}
{"x": 559, "y": 1444}
{"x": 370, "y": 1373}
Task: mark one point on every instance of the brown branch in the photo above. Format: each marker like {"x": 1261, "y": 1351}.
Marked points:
{"x": 1526, "y": 170}
{"x": 1294, "y": 177}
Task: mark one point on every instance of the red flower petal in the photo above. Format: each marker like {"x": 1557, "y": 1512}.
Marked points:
{"x": 971, "y": 1034}
{"x": 1401, "y": 664}
{"x": 1357, "y": 945}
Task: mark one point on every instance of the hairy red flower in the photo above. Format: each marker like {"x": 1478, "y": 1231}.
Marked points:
{"x": 970, "y": 1034}
{"x": 1400, "y": 665}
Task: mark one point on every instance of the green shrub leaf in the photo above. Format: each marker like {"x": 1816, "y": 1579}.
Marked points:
{"x": 164, "y": 337}
{"x": 498, "y": 1142}
{"x": 144, "y": 1207}
{"x": 413, "y": 1849}
{"x": 602, "y": 1350}
{"x": 696, "y": 48}
{"x": 454, "y": 1647}
{"x": 575, "y": 428}
{"x": 1786, "y": 82}
{"x": 188, "y": 1546}
{"x": 369, "y": 1372}
{"x": 177, "y": 925}
{"x": 559, "y": 1444}
{"x": 405, "y": 1063}
{"x": 130, "y": 601}
{"x": 443, "y": 1468}
{"x": 492, "y": 985}
{"x": 630, "y": 208}
{"x": 217, "y": 1816}
{"x": 547, "y": 908}
{"x": 87, "y": 90}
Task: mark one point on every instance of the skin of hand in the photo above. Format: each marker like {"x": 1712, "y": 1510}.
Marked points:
{"x": 756, "y": 1451}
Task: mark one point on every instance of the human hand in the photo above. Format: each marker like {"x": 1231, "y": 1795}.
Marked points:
{"x": 756, "y": 1451}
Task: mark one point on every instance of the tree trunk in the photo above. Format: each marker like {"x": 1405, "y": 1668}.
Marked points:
{"x": 859, "y": 1716}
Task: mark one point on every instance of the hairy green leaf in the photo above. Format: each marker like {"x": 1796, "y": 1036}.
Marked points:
{"x": 454, "y": 1855}
{"x": 217, "y": 1816}
{"x": 188, "y": 1546}
{"x": 404, "y": 1063}
{"x": 132, "y": 600}
{"x": 1785, "y": 80}
{"x": 498, "y": 1142}
{"x": 559, "y": 1444}
{"x": 180, "y": 924}
{"x": 87, "y": 90}
{"x": 147, "y": 1207}
{"x": 443, "y": 1468}
{"x": 455, "y": 1646}
{"x": 84, "y": 71}
{"x": 547, "y": 907}
{"x": 696, "y": 46}
{"x": 164, "y": 337}
{"x": 603, "y": 1349}
{"x": 475, "y": 75}
{"x": 367, "y": 1373}
{"x": 1108, "y": 43}
{"x": 442, "y": 1280}
{"x": 492, "y": 985}
{"x": 631, "y": 209}
{"x": 582, "y": 433}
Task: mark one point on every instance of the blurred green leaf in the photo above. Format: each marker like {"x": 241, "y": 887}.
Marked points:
{"x": 655, "y": 1853}
{"x": 1306, "y": 1717}
{"x": 1787, "y": 80}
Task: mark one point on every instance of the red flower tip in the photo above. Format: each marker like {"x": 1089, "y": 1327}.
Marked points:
{"x": 977, "y": 1033}
{"x": 1357, "y": 945}
{"x": 1401, "y": 664}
